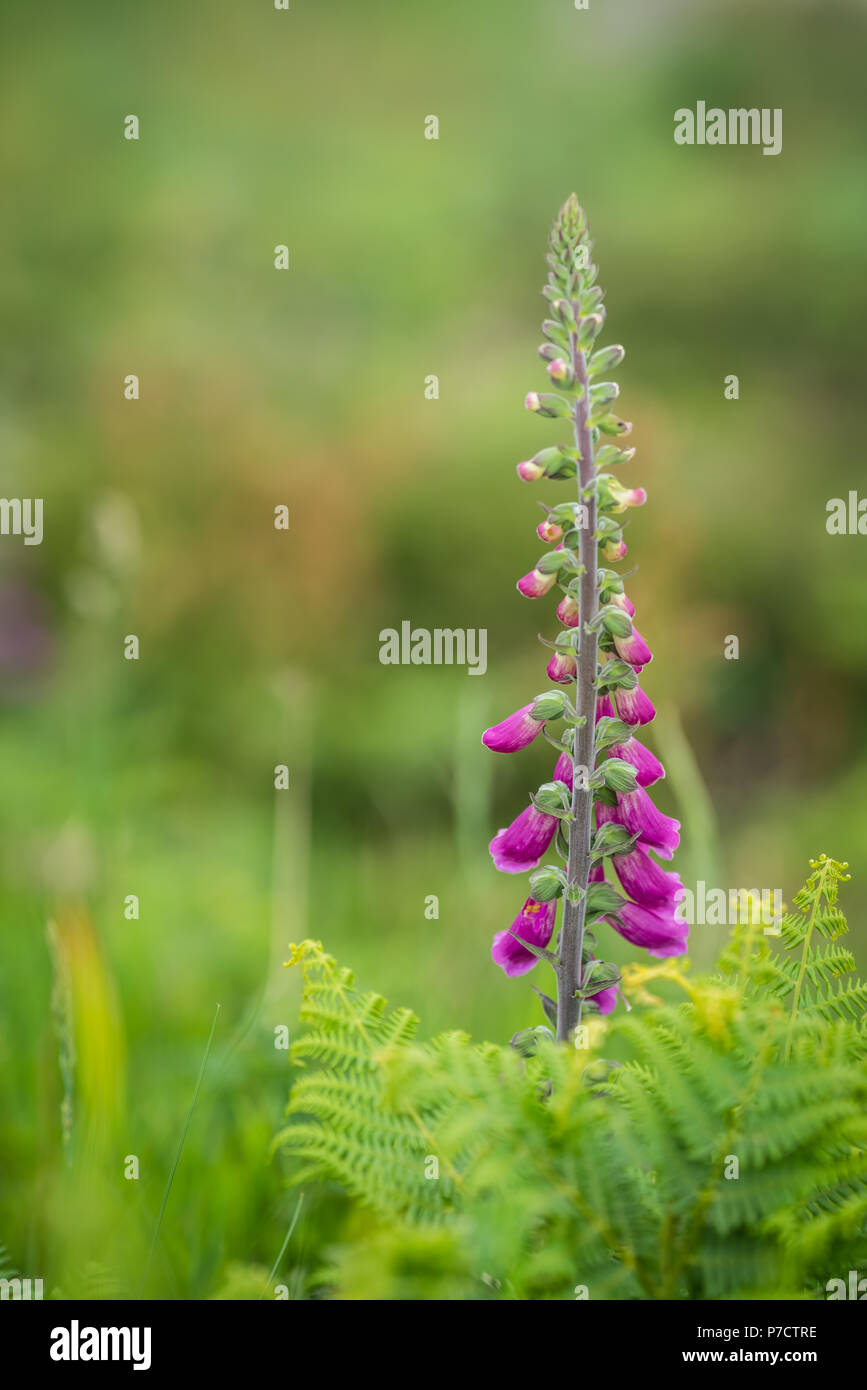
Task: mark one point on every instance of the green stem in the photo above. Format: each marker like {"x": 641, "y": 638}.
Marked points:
{"x": 820, "y": 888}
{"x": 569, "y": 975}
{"x": 179, "y": 1151}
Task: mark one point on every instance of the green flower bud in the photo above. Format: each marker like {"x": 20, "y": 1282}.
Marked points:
{"x": 565, "y": 313}
{"x": 547, "y": 883}
{"x": 608, "y": 582}
{"x": 601, "y": 975}
{"x": 615, "y": 621}
{"x": 564, "y": 514}
{"x": 555, "y": 560}
{"x": 601, "y": 396}
{"x": 589, "y": 329}
{"x": 616, "y": 675}
{"x": 610, "y": 424}
{"x": 605, "y": 359}
{"x": 611, "y": 838}
{"x": 551, "y": 704}
{"x": 609, "y": 455}
{"x": 589, "y": 300}
{"x": 602, "y": 899}
{"x": 526, "y": 1040}
{"x": 547, "y": 404}
{"x": 619, "y": 776}
{"x": 552, "y": 796}
{"x": 607, "y": 527}
{"x": 610, "y": 730}
{"x": 556, "y": 333}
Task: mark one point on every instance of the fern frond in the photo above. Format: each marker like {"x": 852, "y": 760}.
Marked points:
{"x": 807, "y": 977}
{"x": 723, "y": 1156}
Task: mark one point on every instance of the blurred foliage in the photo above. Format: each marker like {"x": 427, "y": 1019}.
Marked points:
{"x": 306, "y": 388}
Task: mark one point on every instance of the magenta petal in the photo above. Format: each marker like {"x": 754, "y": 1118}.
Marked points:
{"x": 606, "y": 999}
{"x": 648, "y": 768}
{"x": 604, "y": 707}
{"x": 535, "y": 584}
{"x": 655, "y": 928}
{"x": 633, "y": 648}
{"x": 637, "y": 812}
{"x": 514, "y": 733}
{"x": 521, "y": 846}
{"x": 534, "y": 923}
{"x": 644, "y": 879}
{"x": 633, "y": 706}
{"x": 563, "y": 770}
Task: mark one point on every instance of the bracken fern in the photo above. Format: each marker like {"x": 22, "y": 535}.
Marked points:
{"x": 723, "y": 1155}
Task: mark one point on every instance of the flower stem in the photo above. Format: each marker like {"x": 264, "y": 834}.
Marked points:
{"x": 569, "y": 975}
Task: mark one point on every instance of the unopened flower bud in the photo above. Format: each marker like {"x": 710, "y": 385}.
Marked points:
{"x": 549, "y": 531}
{"x": 556, "y": 333}
{"x": 613, "y": 549}
{"x": 517, "y": 731}
{"x": 610, "y": 454}
{"x": 619, "y": 775}
{"x": 535, "y": 584}
{"x": 565, "y": 313}
{"x": 551, "y": 796}
{"x": 622, "y": 602}
{"x": 602, "y": 395}
{"x": 589, "y": 328}
{"x": 562, "y": 668}
{"x": 624, "y": 497}
{"x": 530, "y": 471}
{"x": 560, "y": 372}
{"x": 546, "y": 883}
{"x": 567, "y": 611}
{"x": 548, "y": 405}
{"x": 618, "y": 675}
{"x": 632, "y": 646}
{"x": 551, "y": 704}
{"x": 615, "y": 621}
{"x": 556, "y": 560}
{"x": 605, "y": 359}
{"x": 611, "y": 424}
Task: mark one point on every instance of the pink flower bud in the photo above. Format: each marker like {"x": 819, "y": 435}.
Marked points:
{"x": 562, "y": 668}
{"x": 549, "y": 531}
{"x": 535, "y": 584}
{"x": 626, "y": 496}
{"x": 613, "y": 550}
{"x": 531, "y": 401}
{"x": 560, "y": 372}
{"x": 633, "y": 706}
{"x": 513, "y": 733}
{"x": 530, "y": 471}
{"x": 634, "y": 649}
{"x": 567, "y": 611}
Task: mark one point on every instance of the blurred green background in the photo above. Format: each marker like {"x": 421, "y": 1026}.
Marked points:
{"x": 258, "y": 647}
